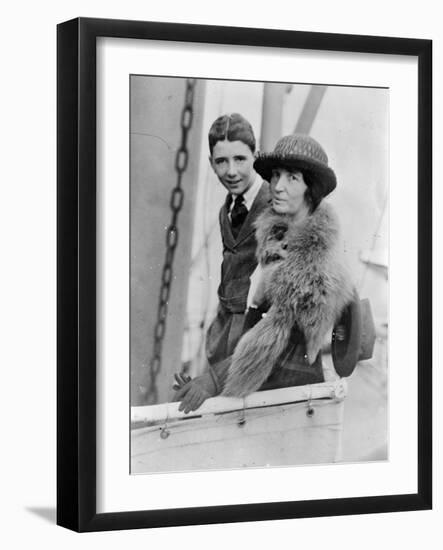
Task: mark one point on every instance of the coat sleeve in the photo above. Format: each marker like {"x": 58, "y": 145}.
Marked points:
{"x": 219, "y": 373}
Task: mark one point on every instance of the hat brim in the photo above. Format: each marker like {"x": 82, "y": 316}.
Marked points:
{"x": 320, "y": 174}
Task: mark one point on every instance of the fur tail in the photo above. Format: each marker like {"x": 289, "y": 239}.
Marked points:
{"x": 256, "y": 354}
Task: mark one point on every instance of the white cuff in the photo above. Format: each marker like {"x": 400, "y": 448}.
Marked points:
{"x": 255, "y": 280}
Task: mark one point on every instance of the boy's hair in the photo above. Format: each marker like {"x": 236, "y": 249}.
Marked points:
{"x": 233, "y": 127}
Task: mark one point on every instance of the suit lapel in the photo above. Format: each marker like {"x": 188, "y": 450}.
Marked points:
{"x": 225, "y": 222}
{"x": 260, "y": 202}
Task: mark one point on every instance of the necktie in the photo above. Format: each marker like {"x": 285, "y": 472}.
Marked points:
{"x": 238, "y": 215}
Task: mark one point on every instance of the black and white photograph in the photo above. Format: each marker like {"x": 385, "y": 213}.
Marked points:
{"x": 220, "y": 297}
{"x": 259, "y": 274}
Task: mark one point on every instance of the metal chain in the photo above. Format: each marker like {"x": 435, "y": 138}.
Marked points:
{"x": 172, "y": 235}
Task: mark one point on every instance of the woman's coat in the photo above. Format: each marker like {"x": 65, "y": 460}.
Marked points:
{"x": 307, "y": 287}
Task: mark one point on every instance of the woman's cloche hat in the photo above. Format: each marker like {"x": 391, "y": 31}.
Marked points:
{"x": 300, "y": 152}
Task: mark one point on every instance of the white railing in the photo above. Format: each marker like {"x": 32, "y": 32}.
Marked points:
{"x": 335, "y": 390}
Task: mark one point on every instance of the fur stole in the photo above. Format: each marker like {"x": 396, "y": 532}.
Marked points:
{"x": 305, "y": 282}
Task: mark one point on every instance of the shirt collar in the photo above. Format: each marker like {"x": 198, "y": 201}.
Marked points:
{"x": 251, "y": 193}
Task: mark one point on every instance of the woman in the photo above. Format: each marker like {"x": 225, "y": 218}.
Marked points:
{"x": 304, "y": 280}
{"x": 303, "y": 285}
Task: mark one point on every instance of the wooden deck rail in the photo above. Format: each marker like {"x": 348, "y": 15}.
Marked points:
{"x": 336, "y": 390}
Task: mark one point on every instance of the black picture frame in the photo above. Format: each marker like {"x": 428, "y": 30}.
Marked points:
{"x": 76, "y": 279}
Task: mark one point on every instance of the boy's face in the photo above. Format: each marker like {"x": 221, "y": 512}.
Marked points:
{"x": 233, "y": 161}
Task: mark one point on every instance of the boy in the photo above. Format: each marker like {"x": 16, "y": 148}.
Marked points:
{"x": 232, "y": 148}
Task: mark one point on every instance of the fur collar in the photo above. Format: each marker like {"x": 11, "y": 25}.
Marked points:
{"x": 319, "y": 231}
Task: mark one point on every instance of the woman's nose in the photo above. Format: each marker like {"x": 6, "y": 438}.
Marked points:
{"x": 279, "y": 183}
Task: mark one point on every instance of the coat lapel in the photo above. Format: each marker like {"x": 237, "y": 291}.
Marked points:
{"x": 260, "y": 202}
{"x": 227, "y": 236}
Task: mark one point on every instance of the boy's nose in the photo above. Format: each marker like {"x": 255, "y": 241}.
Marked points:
{"x": 232, "y": 169}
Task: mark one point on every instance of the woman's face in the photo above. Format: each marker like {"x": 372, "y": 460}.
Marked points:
{"x": 288, "y": 191}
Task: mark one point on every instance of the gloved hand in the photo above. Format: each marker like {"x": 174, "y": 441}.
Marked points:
{"x": 193, "y": 393}
{"x": 252, "y": 317}
{"x": 180, "y": 380}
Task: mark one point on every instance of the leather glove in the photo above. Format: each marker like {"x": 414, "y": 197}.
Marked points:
{"x": 253, "y": 315}
{"x": 194, "y": 393}
{"x": 180, "y": 380}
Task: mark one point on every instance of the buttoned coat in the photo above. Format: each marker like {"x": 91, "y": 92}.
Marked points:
{"x": 239, "y": 262}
